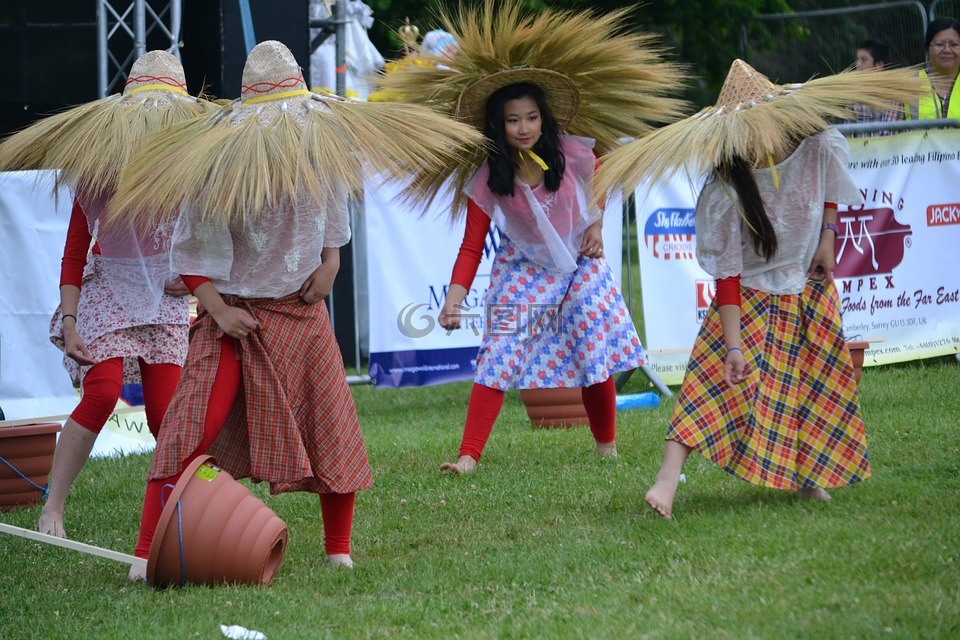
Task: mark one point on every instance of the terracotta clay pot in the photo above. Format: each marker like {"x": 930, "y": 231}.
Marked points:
{"x": 562, "y": 407}
{"x": 856, "y": 349}
{"x": 27, "y": 452}
{"x": 214, "y": 531}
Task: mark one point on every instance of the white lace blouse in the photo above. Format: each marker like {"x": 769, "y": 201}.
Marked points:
{"x": 816, "y": 172}
{"x": 266, "y": 257}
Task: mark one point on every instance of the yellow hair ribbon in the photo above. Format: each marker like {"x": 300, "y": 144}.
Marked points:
{"x": 158, "y": 87}
{"x": 277, "y": 96}
{"x": 540, "y": 161}
{"x": 773, "y": 168}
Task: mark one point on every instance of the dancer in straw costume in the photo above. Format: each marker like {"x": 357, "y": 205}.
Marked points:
{"x": 555, "y": 316}
{"x": 769, "y": 393}
{"x": 123, "y": 315}
{"x": 264, "y": 186}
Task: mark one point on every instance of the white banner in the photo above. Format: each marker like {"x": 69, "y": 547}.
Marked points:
{"x": 409, "y": 261}
{"x": 896, "y": 265}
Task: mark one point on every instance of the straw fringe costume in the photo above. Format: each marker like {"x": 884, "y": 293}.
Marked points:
{"x": 112, "y": 292}
{"x": 262, "y": 189}
{"x": 790, "y": 419}
{"x": 554, "y": 317}
{"x": 124, "y": 318}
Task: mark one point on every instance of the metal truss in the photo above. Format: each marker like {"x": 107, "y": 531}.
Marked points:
{"x": 132, "y": 20}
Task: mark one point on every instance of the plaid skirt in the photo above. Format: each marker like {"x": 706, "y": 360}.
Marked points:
{"x": 294, "y": 423}
{"x": 795, "y": 422}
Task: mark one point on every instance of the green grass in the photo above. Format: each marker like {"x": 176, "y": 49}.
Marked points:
{"x": 548, "y": 540}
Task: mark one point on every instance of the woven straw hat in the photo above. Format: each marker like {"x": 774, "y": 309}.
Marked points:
{"x": 271, "y": 73}
{"x": 156, "y": 71}
{"x": 744, "y": 87}
{"x": 562, "y": 94}
{"x": 753, "y": 119}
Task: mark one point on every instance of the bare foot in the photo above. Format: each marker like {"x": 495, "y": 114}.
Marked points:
{"x": 607, "y": 449}
{"x": 464, "y": 464}
{"x": 661, "y": 494}
{"x": 341, "y": 560}
{"x": 51, "y": 524}
{"x": 816, "y": 493}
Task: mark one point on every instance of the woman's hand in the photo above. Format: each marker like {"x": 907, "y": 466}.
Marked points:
{"x": 824, "y": 261}
{"x": 235, "y": 322}
{"x": 319, "y": 284}
{"x": 592, "y": 244}
{"x": 176, "y": 288}
{"x": 449, "y": 317}
{"x": 74, "y": 347}
{"x": 735, "y": 368}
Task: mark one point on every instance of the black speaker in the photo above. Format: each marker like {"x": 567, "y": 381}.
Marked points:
{"x": 214, "y": 39}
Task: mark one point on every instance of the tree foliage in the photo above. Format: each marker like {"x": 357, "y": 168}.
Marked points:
{"x": 704, "y": 34}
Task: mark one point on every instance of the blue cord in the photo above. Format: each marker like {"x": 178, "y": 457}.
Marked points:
{"x": 44, "y": 489}
{"x": 183, "y": 562}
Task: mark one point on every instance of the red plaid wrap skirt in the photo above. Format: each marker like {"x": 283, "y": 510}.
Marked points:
{"x": 294, "y": 423}
{"x": 795, "y": 422}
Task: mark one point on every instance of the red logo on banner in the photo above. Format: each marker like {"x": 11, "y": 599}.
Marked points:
{"x": 671, "y": 246}
{"x": 706, "y": 289}
{"x": 871, "y": 241}
{"x": 941, "y": 214}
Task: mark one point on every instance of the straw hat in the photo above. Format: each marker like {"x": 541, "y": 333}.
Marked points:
{"x": 754, "y": 119}
{"x": 601, "y": 80}
{"x": 157, "y": 72}
{"x": 279, "y": 141}
{"x": 93, "y": 142}
{"x": 270, "y": 73}
{"x": 561, "y": 93}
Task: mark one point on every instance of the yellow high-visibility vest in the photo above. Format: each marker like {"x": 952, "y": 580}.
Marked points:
{"x": 930, "y": 107}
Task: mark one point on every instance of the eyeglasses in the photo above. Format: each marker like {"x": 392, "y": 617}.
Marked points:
{"x": 940, "y": 46}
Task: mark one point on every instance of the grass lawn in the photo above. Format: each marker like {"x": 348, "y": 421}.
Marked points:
{"x": 548, "y": 540}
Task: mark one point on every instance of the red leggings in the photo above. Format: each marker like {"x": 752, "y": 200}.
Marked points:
{"x": 600, "y": 401}
{"x": 336, "y": 508}
{"x": 101, "y": 390}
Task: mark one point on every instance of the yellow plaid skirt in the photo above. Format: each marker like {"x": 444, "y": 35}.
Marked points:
{"x": 795, "y": 422}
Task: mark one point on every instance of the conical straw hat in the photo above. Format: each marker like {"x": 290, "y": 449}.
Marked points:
{"x": 156, "y": 71}
{"x": 744, "y": 87}
{"x": 271, "y": 73}
{"x": 91, "y": 144}
{"x": 279, "y": 142}
{"x": 753, "y": 119}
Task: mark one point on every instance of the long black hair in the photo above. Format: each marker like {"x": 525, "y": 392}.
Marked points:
{"x": 503, "y": 164}
{"x": 737, "y": 172}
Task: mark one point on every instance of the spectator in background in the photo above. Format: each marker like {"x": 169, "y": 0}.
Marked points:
{"x": 942, "y": 45}
{"x": 874, "y": 55}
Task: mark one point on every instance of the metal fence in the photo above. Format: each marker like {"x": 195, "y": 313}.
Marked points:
{"x": 793, "y": 47}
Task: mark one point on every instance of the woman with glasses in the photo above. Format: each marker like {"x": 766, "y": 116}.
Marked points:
{"x": 942, "y": 45}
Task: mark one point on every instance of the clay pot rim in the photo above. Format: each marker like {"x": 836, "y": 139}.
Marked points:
{"x": 22, "y": 430}
{"x": 169, "y": 509}
{"x": 858, "y": 344}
